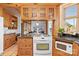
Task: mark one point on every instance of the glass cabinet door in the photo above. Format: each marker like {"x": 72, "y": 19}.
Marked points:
{"x": 42, "y": 13}
{"x": 34, "y": 13}
{"x": 51, "y": 13}
{"x": 25, "y": 12}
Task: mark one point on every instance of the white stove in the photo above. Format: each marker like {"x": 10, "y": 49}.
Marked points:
{"x": 42, "y": 46}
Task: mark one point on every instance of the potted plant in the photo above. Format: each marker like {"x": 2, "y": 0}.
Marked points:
{"x": 61, "y": 30}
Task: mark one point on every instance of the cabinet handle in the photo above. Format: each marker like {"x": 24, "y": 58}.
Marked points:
{"x": 25, "y": 45}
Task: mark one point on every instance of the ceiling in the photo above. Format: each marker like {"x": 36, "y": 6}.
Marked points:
{"x": 16, "y": 5}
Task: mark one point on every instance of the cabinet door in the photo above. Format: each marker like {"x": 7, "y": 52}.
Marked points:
{"x": 6, "y": 42}
{"x": 25, "y": 13}
{"x": 60, "y": 53}
{"x": 75, "y": 49}
{"x": 42, "y": 13}
{"x": 34, "y": 13}
{"x": 50, "y": 13}
{"x": 24, "y": 47}
{"x": 6, "y": 22}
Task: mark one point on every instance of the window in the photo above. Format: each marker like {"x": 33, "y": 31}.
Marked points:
{"x": 71, "y": 11}
{"x": 70, "y": 18}
{"x": 71, "y": 22}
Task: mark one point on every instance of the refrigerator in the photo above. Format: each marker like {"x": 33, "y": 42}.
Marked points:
{"x": 50, "y": 27}
{"x": 1, "y": 34}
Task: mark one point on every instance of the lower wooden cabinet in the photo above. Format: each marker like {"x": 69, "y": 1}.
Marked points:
{"x": 9, "y": 40}
{"x": 60, "y": 53}
{"x": 25, "y": 47}
{"x": 75, "y": 49}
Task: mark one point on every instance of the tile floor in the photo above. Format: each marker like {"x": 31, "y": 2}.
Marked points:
{"x": 11, "y": 51}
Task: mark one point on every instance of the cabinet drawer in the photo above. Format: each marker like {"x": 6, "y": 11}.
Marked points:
{"x": 25, "y": 51}
{"x": 9, "y": 40}
{"x": 25, "y": 47}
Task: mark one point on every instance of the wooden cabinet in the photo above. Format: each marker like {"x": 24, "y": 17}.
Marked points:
{"x": 37, "y": 12}
{"x": 50, "y": 13}
{"x": 10, "y": 21}
{"x": 75, "y": 49}
{"x": 25, "y": 46}
{"x": 9, "y": 40}
{"x": 6, "y": 20}
{"x": 42, "y": 13}
{"x": 25, "y": 12}
{"x": 34, "y": 13}
{"x": 60, "y": 53}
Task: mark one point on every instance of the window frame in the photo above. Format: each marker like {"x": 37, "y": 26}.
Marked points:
{"x": 70, "y": 17}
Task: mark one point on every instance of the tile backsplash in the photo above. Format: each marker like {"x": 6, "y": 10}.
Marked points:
{"x": 8, "y": 31}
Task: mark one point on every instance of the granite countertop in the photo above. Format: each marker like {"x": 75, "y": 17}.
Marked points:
{"x": 25, "y": 36}
{"x": 68, "y": 39}
{"x": 31, "y": 36}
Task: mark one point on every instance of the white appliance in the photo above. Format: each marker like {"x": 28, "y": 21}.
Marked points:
{"x": 49, "y": 27}
{"x": 62, "y": 46}
{"x": 1, "y": 34}
{"x": 42, "y": 46}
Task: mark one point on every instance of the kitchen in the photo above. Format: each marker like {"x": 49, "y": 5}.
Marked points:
{"x": 39, "y": 29}
{"x": 28, "y": 29}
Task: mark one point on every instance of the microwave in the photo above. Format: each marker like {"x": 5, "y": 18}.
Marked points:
{"x": 62, "y": 46}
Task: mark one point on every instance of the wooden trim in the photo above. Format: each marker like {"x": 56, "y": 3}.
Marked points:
{"x": 71, "y": 17}
{"x": 63, "y": 12}
{"x": 68, "y": 5}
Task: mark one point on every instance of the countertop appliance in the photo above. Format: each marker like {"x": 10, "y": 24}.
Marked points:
{"x": 42, "y": 46}
{"x": 62, "y": 46}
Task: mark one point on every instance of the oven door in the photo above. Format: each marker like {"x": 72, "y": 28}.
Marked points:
{"x": 42, "y": 47}
{"x": 66, "y": 47}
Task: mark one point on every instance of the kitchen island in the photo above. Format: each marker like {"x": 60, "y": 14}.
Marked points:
{"x": 25, "y": 46}
{"x": 29, "y": 45}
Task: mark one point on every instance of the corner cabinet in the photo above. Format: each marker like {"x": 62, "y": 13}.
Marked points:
{"x": 37, "y": 12}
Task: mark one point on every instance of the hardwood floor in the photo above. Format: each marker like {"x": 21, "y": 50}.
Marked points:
{"x": 11, "y": 51}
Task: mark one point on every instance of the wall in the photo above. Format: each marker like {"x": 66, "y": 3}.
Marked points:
{"x": 42, "y": 25}
{"x": 57, "y": 20}
{"x": 78, "y": 20}
{"x": 56, "y": 26}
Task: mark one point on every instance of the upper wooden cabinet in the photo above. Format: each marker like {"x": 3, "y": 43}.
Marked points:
{"x": 50, "y": 13}
{"x": 37, "y": 12}
{"x": 10, "y": 21}
{"x": 25, "y": 12}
